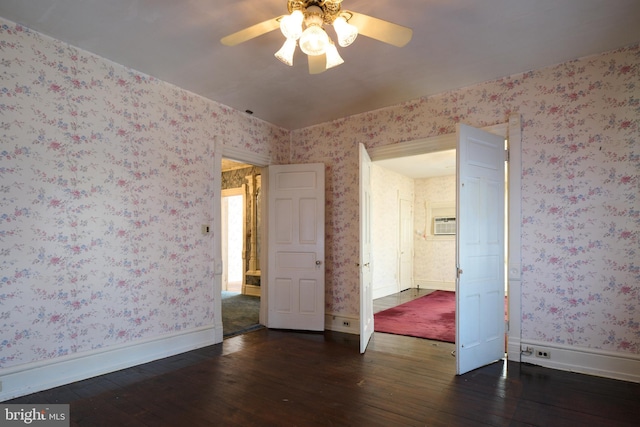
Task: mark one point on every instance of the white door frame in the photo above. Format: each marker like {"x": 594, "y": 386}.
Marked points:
{"x": 230, "y": 192}
{"x": 512, "y": 129}
{"x": 255, "y": 159}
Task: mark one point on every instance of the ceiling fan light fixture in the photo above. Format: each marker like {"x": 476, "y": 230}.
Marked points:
{"x": 291, "y": 25}
{"x": 346, "y": 32}
{"x": 333, "y": 57}
{"x": 314, "y": 40}
{"x": 304, "y": 26}
{"x": 285, "y": 54}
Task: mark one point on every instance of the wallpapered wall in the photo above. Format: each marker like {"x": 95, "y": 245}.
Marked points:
{"x": 106, "y": 178}
{"x": 435, "y": 255}
{"x": 580, "y": 161}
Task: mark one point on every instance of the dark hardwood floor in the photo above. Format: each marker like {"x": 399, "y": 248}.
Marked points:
{"x": 286, "y": 378}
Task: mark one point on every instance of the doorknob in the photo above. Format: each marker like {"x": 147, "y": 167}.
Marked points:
{"x": 318, "y": 262}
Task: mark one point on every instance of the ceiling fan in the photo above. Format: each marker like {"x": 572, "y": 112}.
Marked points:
{"x": 304, "y": 27}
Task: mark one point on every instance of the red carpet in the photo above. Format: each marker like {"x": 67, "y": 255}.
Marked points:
{"x": 432, "y": 317}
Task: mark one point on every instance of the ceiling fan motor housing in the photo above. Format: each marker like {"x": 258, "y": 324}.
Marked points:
{"x": 329, "y": 10}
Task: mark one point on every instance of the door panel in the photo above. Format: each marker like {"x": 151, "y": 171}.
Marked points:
{"x": 480, "y": 249}
{"x": 308, "y": 219}
{"x": 283, "y": 212}
{"x": 366, "y": 288}
{"x": 296, "y": 247}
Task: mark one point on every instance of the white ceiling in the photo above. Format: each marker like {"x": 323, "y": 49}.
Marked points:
{"x": 455, "y": 43}
{"x": 429, "y": 165}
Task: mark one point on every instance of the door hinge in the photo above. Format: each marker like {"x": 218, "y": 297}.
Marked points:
{"x": 506, "y": 155}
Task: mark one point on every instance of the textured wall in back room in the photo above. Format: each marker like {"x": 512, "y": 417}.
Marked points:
{"x": 435, "y": 255}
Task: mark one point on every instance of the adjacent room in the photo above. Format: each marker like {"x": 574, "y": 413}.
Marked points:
{"x": 241, "y": 243}
{"x": 414, "y": 253}
{"x": 414, "y": 245}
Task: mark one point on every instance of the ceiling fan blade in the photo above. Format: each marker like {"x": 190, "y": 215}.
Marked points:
{"x": 317, "y": 63}
{"x": 251, "y": 32}
{"x": 381, "y": 30}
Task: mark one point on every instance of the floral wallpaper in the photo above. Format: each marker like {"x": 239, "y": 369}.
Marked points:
{"x": 106, "y": 177}
{"x": 580, "y": 186}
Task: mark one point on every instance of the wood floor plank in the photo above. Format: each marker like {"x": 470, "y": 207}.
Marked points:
{"x": 287, "y": 378}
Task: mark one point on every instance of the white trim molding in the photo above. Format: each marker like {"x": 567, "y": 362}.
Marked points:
{"x": 430, "y": 284}
{"x": 620, "y": 366}
{"x": 238, "y": 154}
{"x": 342, "y": 323}
{"x": 43, "y": 375}
{"x": 514, "y": 239}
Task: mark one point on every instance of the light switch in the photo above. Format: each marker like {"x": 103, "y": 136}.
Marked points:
{"x": 218, "y": 266}
{"x": 206, "y": 229}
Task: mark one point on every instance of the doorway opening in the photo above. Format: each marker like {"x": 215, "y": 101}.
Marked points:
{"x": 412, "y": 255}
{"x": 233, "y": 218}
{"x": 424, "y": 188}
{"x": 490, "y": 159}
{"x": 240, "y": 247}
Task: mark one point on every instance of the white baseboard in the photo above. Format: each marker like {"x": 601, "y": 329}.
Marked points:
{"x": 430, "y": 284}
{"x": 513, "y": 349}
{"x": 384, "y": 291}
{"x": 620, "y": 366}
{"x": 43, "y": 375}
{"x": 252, "y": 290}
{"x": 341, "y": 323}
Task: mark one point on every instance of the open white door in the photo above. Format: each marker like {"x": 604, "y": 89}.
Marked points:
{"x": 296, "y": 247}
{"x": 480, "y": 249}
{"x": 218, "y": 265}
{"x": 366, "y": 290}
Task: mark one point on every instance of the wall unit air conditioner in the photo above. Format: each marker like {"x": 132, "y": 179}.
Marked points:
{"x": 443, "y": 225}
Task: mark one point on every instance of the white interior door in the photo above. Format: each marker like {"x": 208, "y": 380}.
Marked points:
{"x": 480, "y": 249}
{"x": 366, "y": 288}
{"x": 296, "y": 247}
{"x": 406, "y": 245}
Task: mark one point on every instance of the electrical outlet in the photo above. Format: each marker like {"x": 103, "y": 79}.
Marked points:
{"x": 543, "y": 354}
{"x": 346, "y": 323}
{"x": 526, "y": 351}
